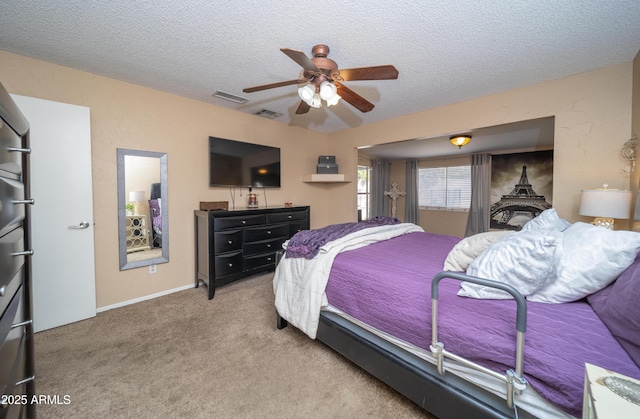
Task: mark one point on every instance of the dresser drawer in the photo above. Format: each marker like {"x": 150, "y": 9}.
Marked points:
{"x": 226, "y": 241}
{"x": 12, "y": 374}
{"x": 12, "y": 315}
{"x": 11, "y": 214}
{"x": 10, "y": 161}
{"x": 12, "y": 367}
{"x": 9, "y": 286}
{"x": 260, "y": 261}
{"x": 263, "y": 246}
{"x": 265, "y": 233}
{"x": 12, "y": 242}
{"x": 223, "y": 223}
{"x": 287, "y": 216}
{"x": 228, "y": 263}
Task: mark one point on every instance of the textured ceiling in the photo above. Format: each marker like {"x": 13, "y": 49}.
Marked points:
{"x": 445, "y": 52}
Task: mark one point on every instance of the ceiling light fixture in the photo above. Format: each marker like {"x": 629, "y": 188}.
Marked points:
{"x": 313, "y": 94}
{"x": 460, "y": 140}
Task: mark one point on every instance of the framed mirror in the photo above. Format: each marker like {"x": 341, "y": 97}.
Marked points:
{"x": 143, "y": 208}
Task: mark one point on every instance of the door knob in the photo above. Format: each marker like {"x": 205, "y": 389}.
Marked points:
{"x": 83, "y": 225}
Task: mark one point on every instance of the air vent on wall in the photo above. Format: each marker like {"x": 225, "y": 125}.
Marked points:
{"x": 229, "y": 96}
{"x": 266, "y": 113}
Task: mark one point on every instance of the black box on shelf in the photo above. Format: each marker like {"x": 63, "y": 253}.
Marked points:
{"x": 327, "y": 160}
{"x": 327, "y": 168}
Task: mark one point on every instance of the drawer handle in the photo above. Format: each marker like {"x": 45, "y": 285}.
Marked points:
{"x": 230, "y": 242}
{"x": 26, "y": 380}
{"x": 19, "y": 150}
{"x": 230, "y": 265}
{"x": 268, "y": 231}
{"x": 24, "y": 323}
{"x": 24, "y": 201}
{"x": 244, "y": 221}
{"x": 25, "y": 253}
{"x": 290, "y": 217}
{"x": 269, "y": 259}
{"x": 268, "y": 245}
{"x": 2, "y": 290}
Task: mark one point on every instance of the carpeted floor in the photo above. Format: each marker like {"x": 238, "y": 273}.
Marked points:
{"x": 183, "y": 356}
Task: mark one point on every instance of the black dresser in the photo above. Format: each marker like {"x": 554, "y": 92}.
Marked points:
{"x": 16, "y": 332}
{"x": 234, "y": 244}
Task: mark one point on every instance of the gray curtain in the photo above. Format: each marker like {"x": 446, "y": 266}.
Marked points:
{"x": 412, "y": 209}
{"x": 478, "y": 220}
{"x": 380, "y": 174}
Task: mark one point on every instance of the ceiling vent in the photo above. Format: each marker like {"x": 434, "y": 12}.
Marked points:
{"x": 266, "y": 113}
{"x": 229, "y": 96}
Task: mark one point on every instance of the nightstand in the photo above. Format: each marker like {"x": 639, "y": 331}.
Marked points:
{"x": 137, "y": 233}
{"x": 601, "y": 402}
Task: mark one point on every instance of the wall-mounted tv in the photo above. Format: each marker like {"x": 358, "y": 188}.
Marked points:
{"x": 236, "y": 164}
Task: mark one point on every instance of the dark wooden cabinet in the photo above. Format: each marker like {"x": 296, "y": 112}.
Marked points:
{"x": 17, "y": 386}
{"x": 234, "y": 244}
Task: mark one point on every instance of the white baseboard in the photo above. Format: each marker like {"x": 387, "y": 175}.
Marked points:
{"x": 146, "y": 297}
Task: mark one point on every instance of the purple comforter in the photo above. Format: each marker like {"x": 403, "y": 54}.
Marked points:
{"x": 559, "y": 339}
{"x": 307, "y": 243}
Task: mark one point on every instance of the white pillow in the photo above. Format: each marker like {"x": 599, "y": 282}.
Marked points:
{"x": 525, "y": 260}
{"x": 593, "y": 258}
{"x": 469, "y": 248}
{"x": 547, "y": 220}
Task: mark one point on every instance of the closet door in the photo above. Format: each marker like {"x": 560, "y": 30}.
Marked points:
{"x": 62, "y": 216}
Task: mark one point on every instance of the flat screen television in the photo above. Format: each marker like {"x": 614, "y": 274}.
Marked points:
{"x": 238, "y": 164}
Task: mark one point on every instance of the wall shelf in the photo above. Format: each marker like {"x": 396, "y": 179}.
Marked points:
{"x": 326, "y": 178}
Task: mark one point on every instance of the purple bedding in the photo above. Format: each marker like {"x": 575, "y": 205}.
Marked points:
{"x": 559, "y": 340}
{"x": 307, "y": 243}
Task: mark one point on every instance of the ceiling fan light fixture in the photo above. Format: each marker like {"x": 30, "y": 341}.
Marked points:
{"x": 306, "y": 93}
{"x": 328, "y": 90}
{"x": 334, "y": 100}
{"x": 316, "y": 102}
{"x": 460, "y": 140}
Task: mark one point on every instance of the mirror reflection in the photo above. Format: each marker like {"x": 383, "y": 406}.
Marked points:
{"x": 142, "y": 208}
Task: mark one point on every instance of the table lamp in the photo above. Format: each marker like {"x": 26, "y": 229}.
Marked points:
{"x": 136, "y": 197}
{"x": 605, "y": 204}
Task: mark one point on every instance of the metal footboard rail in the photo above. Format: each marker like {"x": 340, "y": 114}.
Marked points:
{"x": 514, "y": 379}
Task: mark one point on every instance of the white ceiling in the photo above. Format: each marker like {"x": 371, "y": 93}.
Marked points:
{"x": 445, "y": 51}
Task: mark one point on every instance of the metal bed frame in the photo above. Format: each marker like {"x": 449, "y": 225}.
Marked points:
{"x": 443, "y": 395}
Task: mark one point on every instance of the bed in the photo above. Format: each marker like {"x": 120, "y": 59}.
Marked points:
{"x": 369, "y": 294}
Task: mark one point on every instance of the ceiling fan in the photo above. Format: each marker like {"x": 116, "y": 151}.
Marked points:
{"x": 323, "y": 80}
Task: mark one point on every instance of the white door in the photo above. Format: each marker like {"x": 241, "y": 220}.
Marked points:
{"x": 62, "y": 215}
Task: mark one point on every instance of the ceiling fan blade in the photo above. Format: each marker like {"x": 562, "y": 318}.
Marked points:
{"x": 273, "y": 85}
{"x": 300, "y": 58}
{"x": 303, "y": 107}
{"x": 381, "y": 72}
{"x": 351, "y": 97}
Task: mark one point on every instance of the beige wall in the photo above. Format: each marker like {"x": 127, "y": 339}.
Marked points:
{"x": 593, "y": 120}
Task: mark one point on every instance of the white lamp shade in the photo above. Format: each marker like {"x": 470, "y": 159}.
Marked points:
{"x": 315, "y": 101}
{"x": 334, "y": 100}
{"x": 608, "y": 203}
{"x": 327, "y": 90}
{"x": 136, "y": 196}
{"x": 306, "y": 93}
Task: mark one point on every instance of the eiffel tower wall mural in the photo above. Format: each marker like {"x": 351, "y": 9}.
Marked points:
{"x": 521, "y": 188}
